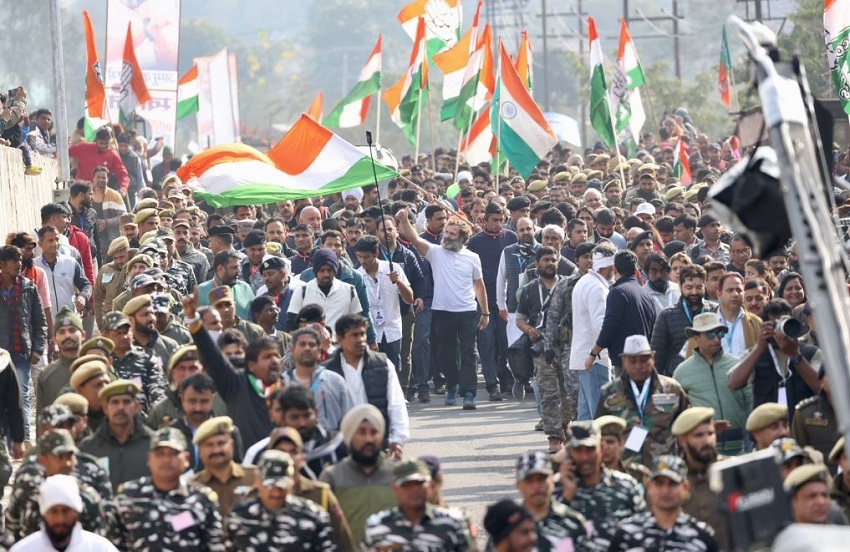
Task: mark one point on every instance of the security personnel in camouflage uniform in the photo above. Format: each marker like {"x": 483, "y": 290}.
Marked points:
{"x": 558, "y": 335}
{"x": 665, "y": 527}
{"x": 698, "y": 441}
{"x": 415, "y": 525}
{"x": 555, "y": 521}
{"x": 815, "y": 423}
{"x": 178, "y": 274}
{"x": 164, "y": 512}
{"x": 68, "y": 334}
{"x": 111, "y": 278}
{"x": 276, "y": 519}
{"x": 605, "y": 497}
{"x": 145, "y": 335}
{"x": 132, "y": 363}
{"x": 166, "y": 323}
{"x": 613, "y": 431}
{"x": 56, "y": 454}
{"x": 648, "y": 401}
{"x": 647, "y": 188}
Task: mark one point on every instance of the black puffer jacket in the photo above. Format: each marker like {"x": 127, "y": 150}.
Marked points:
{"x": 33, "y": 321}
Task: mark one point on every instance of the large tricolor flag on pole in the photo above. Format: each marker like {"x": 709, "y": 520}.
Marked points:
{"x": 351, "y": 111}
{"x": 96, "y": 111}
{"x": 600, "y": 109}
{"x": 187, "y": 93}
{"x": 442, "y": 22}
{"x": 524, "y": 62}
{"x": 404, "y": 96}
{"x": 724, "y": 72}
{"x": 479, "y": 81}
{"x": 681, "y": 165}
{"x": 452, "y": 63}
{"x": 625, "y": 87}
{"x": 524, "y": 135}
{"x": 836, "y": 26}
{"x": 134, "y": 91}
{"x": 309, "y": 161}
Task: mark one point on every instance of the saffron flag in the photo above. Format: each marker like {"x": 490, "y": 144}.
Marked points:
{"x": 625, "y": 88}
{"x": 95, "y": 89}
{"x": 309, "y": 161}
{"x": 600, "y": 109}
{"x": 836, "y": 27}
{"x": 315, "y": 110}
{"x": 187, "y": 93}
{"x": 134, "y": 91}
{"x": 681, "y": 165}
{"x": 724, "y": 72}
{"x": 452, "y": 63}
{"x": 351, "y": 111}
{"x": 403, "y": 98}
{"x": 442, "y": 22}
{"x": 523, "y": 133}
{"x": 524, "y": 63}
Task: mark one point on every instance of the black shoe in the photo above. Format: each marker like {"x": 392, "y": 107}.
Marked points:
{"x": 440, "y": 389}
{"x": 424, "y": 396}
{"x": 495, "y": 395}
{"x": 518, "y": 390}
{"x": 410, "y": 394}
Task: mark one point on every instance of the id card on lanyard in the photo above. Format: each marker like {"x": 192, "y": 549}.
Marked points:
{"x": 782, "y": 390}
{"x": 638, "y": 434}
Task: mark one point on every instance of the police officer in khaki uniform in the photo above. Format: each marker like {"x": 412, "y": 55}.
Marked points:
{"x": 221, "y": 474}
{"x": 698, "y": 441}
{"x": 807, "y": 488}
{"x": 613, "y": 430}
{"x": 766, "y": 423}
{"x": 815, "y": 423}
{"x": 87, "y": 379}
{"x": 110, "y": 278}
{"x": 98, "y": 346}
{"x": 68, "y": 334}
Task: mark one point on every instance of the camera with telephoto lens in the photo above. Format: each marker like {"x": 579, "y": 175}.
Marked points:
{"x": 789, "y": 327}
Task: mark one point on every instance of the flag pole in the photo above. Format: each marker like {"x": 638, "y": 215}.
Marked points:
{"x": 616, "y": 142}
{"x": 378, "y": 119}
{"x": 431, "y": 134}
{"x": 734, "y": 92}
{"x": 459, "y": 145}
{"x": 655, "y": 122}
{"x": 418, "y": 126}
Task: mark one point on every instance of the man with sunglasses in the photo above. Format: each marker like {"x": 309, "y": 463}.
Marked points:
{"x": 704, "y": 377}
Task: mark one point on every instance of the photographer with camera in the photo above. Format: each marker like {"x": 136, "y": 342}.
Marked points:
{"x": 14, "y": 107}
{"x": 781, "y": 369}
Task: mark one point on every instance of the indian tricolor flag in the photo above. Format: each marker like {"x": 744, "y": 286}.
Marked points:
{"x": 522, "y": 131}
{"x": 134, "y": 91}
{"x": 442, "y": 22}
{"x": 187, "y": 94}
{"x": 681, "y": 165}
{"x": 352, "y": 110}
{"x": 404, "y": 97}
{"x": 625, "y": 87}
{"x": 479, "y": 145}
{"x": 310, "y": 161}
{"x": 479, "y": 82}
{"x": 600, "y": 109}
{"x": 452, "y": 63}
{"x": 836, "y": 27}
{"x": 524, "y": 62}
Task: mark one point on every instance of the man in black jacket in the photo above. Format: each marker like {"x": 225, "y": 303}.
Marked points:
{"x": 629, "y": 310}
{"x": 244, "y": 391}
{"x": 11, "y": 418}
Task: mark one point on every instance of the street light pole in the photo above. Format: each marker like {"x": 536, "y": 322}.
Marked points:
{"x": 61, "y": 117}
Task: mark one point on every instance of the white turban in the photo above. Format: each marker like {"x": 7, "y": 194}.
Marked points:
{"x": 356, "y": 193}
{"x": 356, "y": 416}
{"x": 59, "y": 490}
{"x": 464, "y": 175}
{"x": 600, "y": 260}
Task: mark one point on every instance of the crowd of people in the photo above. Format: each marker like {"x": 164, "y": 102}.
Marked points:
{"x": 184, "y": 378}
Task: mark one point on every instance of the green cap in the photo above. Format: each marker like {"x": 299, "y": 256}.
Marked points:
{"x": 410, "y": 470}
{"x": 66, "y": 317}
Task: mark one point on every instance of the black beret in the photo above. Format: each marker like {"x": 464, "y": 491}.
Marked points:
{"x": 272, "y": 263}
{"x": 254, "y": 237}
{"x": 517, "y": 203}
{"x": 221, "y": 230}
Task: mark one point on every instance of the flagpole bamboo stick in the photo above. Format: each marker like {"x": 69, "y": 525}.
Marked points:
{"x": 459, "y": 144}
{"x": 418, "y": 126}
{"x": 655, "y": 122}
{"x": 431, "y": 135}
{"x": 378, "y": 118}
{"x": 732, "y": 90}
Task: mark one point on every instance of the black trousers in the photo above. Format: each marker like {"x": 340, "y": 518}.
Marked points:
{"x": 453, "y": 334}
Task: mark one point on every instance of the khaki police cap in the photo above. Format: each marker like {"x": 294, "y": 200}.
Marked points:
{"x": 673, "y": 193}
{"x": 613, "y": 183}
{"x": 78, "y": 404}
{"x": 594, "y": 174}
{"x": 647, "y": 169}
{"x": 147, "y": 236}
{"x": 187, "y": 352}
{"x": 88, "y": 371}
{"x": 118, "y": 245}
{"x": 611, "y": 425}
{"x": 536, "y": 185}
{"x": 136, "y": 304}
{"x": 766, "y": 414}
{"x": 79, "y": 361}
{"x": 181, "y": 222}
{"x": 837, "y": 451}
{"x": 602, "y": 157}
{"x": 220, "y": 425}
{"x": 563, "y": 176}
{"x": 807, "y": 473}
{"x": 580, "y": 177}
{"x": 167, "y": 212}
{"x": 127, "y": 220}
{"x": 119, "y": 387}
{"x": 147, "y": 203}
{"x": 691, "y": 418}
{"x": 101, "y": 343}
{"x": 144, "y": 215}
{"x": 286, "y": 433}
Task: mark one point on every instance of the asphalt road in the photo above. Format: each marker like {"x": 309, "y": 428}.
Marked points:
{"x": 478, "y": 449}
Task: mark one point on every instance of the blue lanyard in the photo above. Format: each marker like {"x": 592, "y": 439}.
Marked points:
{"x": 730, "y": 336}
{"x": 641, "y": 401}
{"x": 688, "y": 312}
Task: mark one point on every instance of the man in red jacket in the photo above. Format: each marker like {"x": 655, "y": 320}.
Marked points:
{"x": 91, "y": 155}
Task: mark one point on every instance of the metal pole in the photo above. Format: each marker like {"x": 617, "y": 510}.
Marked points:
{"x": 676, "y": 48}
{"x": 545, "y": 58}
{"x": 582, "y": 103}
{"x": 61, "y": 117}
{"x": 759, "y": 14}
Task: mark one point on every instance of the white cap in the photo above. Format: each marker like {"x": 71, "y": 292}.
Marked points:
{"x": 59, "y": 490}
{"x": 464, "y": 175}
{"x": 356, "y": 193}
{"x": 636, "y": 345}
{"x": 645, "y": 209}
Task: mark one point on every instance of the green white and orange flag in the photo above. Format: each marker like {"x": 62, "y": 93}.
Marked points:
{"x": 479, "y": 81}
{"x": 403, "y": 98}
{"x": 452, "y": 63}
{"x": 836, "y": 26}
{"x": 523, "y": 133}
{"x": 315, "y": 110}
{"x": 524, "y": 62}
{"x": 625, "y": 88}
{"x": 681, "y": 165}
{"x": 187, "y": 93}
{"x": 479, "y": 146}
{"x": 309, "y": 161}
{"x": 351, "y": 111}
{"x": 600, "y": 109}
{"x": 442, "y": 22}
{"x": 134, "y": 91}
{"x": 724, "y": 73}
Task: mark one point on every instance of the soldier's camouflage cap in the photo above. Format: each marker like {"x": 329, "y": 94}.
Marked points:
{"x": 531, "y": 463}
{"x": 55, "y": 415}
{"x": 787, "y": 449}
{"x": 114, "y": 320}
{"x": 276, "y": 469}
{"x": 583, "y": 434}
{"x": 667, "y": 465}
{"x": 57, "y": 442}
{"x": 160, "y": 302}
{"x": 411, "y": 470}
{"x": 169, "y": 437}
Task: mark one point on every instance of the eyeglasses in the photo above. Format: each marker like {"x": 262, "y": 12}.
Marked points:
{"x": 716, "y": 334}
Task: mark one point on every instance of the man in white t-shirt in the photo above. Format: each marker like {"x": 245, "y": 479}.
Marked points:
{"x": 458, "y": 283}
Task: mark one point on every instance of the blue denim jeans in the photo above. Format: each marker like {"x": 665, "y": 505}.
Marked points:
{"x": 590, "y": 388}
{"x": 493, "y": 349}
{"x": 23, "y": 371}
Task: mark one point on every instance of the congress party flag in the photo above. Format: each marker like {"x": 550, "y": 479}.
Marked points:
{"x": 442, "y": 22}
{"x": 351, "y": 111}
{"x": 134, "y": 91}
{"x": 187, "y": 93}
